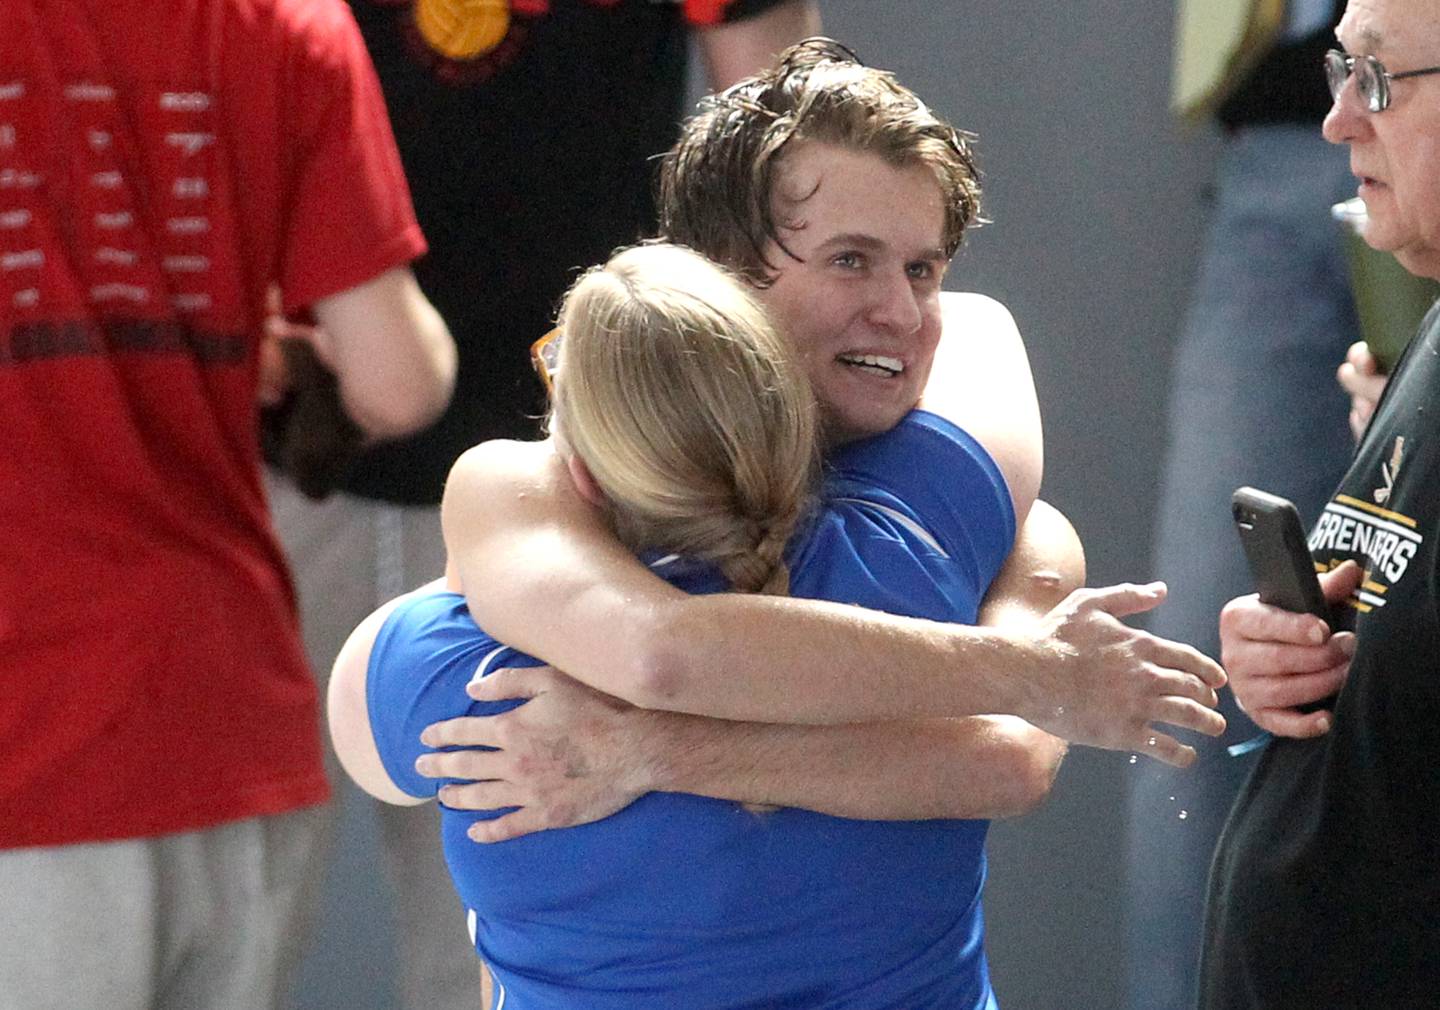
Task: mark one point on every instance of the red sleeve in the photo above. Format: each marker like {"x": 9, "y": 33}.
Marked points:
{"x": 714, "y": 12}
{"x": 350, "y": 216}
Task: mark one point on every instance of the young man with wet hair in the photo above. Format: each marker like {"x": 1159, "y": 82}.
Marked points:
{"x": 842, "y": 197}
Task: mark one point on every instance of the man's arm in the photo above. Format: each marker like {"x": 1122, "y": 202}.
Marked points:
{"x": 1046, "y": 565}
{"x": 738, "y": 49}
{"x": 571, "y": 755}
{"x": 391, "y": 352}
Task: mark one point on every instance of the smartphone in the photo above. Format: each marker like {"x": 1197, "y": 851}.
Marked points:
{"x": 1275, "y": 548}
{"x": 1274, "y": 542}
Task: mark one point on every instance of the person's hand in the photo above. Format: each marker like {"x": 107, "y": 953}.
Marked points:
{"x": 1101, "y": 683}
{"x": 1279, "y": 660}
{"x": 568, "y": 756}
{"x": 275, "y": 377}
{"x": 1360, "y": 376}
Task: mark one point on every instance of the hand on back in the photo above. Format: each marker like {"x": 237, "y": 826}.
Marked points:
{"x": 569, "y": 755}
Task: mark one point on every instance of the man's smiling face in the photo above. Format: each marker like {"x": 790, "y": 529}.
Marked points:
{"x": 859, "y": 299}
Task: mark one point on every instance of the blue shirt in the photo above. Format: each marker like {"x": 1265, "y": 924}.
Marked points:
{"x": 681, "y": 900}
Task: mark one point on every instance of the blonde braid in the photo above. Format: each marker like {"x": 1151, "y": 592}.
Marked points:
{"x": 689, "y": 412}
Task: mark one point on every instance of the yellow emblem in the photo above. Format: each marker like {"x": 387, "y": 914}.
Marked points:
{"x": 463, "y": 29}
{"x": 1390, "y": 471}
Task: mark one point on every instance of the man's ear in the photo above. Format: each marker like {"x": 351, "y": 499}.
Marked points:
{"x": 584, "y": 480}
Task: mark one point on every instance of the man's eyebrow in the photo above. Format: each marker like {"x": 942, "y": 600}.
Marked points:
{"x": 858, "y": 239}
{"x": 862, "y": 240}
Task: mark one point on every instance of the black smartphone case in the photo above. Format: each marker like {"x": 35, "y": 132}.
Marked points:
{"x": 1274, "y": 543}
{"x": 1279, "y": 558}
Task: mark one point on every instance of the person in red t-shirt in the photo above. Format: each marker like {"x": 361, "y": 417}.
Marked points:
{"x": 162, "y": 166}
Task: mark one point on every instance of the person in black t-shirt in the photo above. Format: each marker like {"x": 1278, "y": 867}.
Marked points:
{"x": 1325, "y": 890}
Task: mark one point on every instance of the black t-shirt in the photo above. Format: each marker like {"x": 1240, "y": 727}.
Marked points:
{"x": 1325, "y": 891}
{"x": 528, "y": 161}
{"x": 1288, "y": 85}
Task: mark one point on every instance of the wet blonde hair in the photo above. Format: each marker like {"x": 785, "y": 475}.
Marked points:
{"x": 697, "y": 425}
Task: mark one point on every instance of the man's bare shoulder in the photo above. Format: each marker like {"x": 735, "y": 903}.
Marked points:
{"x": 981, "y": 381}
{"x": 971, "y": 314}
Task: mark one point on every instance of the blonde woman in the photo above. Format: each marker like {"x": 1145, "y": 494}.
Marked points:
{"x": 678, "y": 413}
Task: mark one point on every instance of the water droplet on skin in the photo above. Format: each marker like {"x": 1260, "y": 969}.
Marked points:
{"x": 1059, "y": 709}
{"x": 1184, "y": 814}
{"x": 1150, "y": 742}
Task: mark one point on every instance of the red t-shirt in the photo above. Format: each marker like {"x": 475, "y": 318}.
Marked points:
{"x": 161, "y": 163}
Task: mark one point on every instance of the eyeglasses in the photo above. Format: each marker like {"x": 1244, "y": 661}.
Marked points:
{"x": 545, "y": 356}
{"x": 1371, "y": 77}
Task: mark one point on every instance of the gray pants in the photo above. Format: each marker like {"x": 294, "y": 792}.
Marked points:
{"x": 202, "y": 920}
{"x": 348, "y": 556}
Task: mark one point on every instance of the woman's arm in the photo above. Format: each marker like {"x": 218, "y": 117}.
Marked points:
{"x": 983, "y": 766}
{"x": 349, "y": 714}
{"x": 542, "y": 573}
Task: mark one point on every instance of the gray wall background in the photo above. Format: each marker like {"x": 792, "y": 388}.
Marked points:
{"x": 1096, "y": 202}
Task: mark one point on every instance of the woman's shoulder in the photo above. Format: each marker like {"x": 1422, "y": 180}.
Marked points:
{"x": 490, "y": 479}
{"x": 501, "y": 459}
